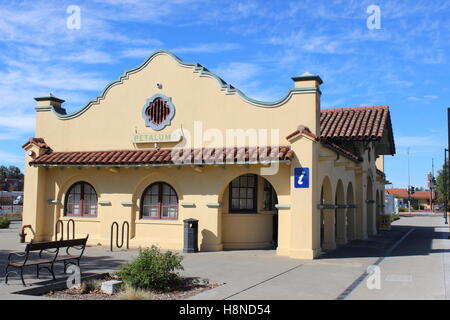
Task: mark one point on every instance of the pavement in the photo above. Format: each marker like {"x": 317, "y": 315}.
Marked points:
{"x": 411, "y": 261}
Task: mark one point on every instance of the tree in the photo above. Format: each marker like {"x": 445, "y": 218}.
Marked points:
{"x": 11, "y": 178}
{"x": 440, "y": 188}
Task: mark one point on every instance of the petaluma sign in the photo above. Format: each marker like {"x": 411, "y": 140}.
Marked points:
{"x": 157, "y": 137}
{"x": 158, "y": 112}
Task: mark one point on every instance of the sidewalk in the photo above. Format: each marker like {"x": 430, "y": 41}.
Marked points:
{"x": 414, "y": 258}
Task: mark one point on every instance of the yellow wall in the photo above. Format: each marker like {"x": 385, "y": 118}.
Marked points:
{"x": 110, "y": 123}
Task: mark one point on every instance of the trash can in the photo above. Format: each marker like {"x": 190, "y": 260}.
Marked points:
{"x": 190, "y": 235}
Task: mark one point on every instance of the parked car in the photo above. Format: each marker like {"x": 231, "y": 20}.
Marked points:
{"x": 18, "y": 200}
{"x": 438, "y": 207}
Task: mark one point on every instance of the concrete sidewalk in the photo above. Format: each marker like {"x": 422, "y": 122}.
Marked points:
{"x": 414, "y": 260}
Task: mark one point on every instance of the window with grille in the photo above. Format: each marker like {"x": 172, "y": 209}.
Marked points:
{"x": 243, "y": 194}
{"x": 81, "y": 200}
{"x": 159, "y": 201}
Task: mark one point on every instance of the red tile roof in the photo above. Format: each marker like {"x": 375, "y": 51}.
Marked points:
{"x": 166, "y": 156}
{"x": 302, "y": 130}
{"x": 403, "y": 193}
{"x": 39, "y": 142}
{"x": 359, "y": 123}
{"x": 342, "y": 151}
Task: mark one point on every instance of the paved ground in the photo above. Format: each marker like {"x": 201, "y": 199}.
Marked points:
{"x": 413, "y": 260}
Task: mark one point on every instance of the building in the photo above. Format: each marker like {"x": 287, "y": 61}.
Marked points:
{"x": 170, "y": 140}
{"x": 421, "y": 200}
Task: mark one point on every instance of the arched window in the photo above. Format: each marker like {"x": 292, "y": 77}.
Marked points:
{"x": 159, "y": 201}
{"x": 243, "y": 194}
{"x": 81, "y": 200}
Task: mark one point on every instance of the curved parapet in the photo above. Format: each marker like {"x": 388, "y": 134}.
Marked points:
{"x": 196, "y": 68}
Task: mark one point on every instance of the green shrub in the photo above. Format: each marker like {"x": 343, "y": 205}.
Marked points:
{"x": 91, "y": 285}
{"x": 153, "y": 270}
{"x": 4, "y": 222}
{"x": 394, "y": 217}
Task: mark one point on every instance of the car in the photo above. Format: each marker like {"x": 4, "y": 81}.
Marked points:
{"x": 438, "y": 207}
{"x": 18, "y": 200}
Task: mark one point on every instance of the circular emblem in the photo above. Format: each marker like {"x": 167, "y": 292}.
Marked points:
{"x": 158, "y": 112}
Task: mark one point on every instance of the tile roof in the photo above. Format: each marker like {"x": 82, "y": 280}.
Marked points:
{"x": 39, "y": 142}
{"x": 302, "y": 130}
{"x": 342, "y": 151}
{"x": 166, "y": 156}
{"x": 359, "y": 123}
{"x": 403, "y": 193}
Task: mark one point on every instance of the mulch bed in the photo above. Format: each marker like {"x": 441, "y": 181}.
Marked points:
{"x": 189, "y": 288}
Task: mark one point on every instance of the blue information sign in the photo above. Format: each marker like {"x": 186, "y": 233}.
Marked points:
{"x": 301, "y": 177}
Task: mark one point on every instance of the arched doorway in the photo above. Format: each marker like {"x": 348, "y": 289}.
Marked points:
{"x": 341, "y": 219}
{"x": 327, "y": 217}
{"x": 370, "y": 210}
{"x": 249, "y": 214}
{"x": 351, "y": 218}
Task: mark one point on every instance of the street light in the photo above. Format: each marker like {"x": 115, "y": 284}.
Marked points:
{"x": 445, "y": 186}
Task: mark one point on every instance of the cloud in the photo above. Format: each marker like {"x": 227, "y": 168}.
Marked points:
{"x": 89, "y": 56}
{"x": 207, "y": 48}
{"x": 238, "y": 73}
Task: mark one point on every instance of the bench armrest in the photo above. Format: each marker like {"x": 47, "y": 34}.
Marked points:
{"x": 17, "y": 254}
{"x": 79, "y": 248}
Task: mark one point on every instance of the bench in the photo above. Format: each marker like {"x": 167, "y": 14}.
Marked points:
{"x": 47, "y": 261}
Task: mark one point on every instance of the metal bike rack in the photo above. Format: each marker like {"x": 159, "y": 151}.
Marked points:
{"x": 125, "y": 223}
{"x": 61, "y": 224}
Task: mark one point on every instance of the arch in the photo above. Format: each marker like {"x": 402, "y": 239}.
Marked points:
{"x": 72, "y": 180}
{"x": 159, "y": 201}
{"x": 243, "y": 225}
{"x": 340, "y": 218}
{"x": 370, "y": 208}
{"x": 327, "y": 216}
{"x": 351, "y": 218}
{"x": 81, "y": 200}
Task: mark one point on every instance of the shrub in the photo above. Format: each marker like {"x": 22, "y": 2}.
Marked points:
{"x": 130, "y": 293}
{"x": 153, "y": 270}
{"x": 4, "y": 222}
{"x": 90, "y": 285}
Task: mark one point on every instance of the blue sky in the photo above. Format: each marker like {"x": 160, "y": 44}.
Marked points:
{"x": 257, "y": 46}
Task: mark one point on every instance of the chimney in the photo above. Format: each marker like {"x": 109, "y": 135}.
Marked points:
{"x": 49, "y": 102}
{"x": 307, "y": 80}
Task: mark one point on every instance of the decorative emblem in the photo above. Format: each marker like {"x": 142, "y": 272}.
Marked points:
{"x": 158, "y": 112}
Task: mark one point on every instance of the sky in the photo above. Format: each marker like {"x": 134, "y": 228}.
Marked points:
{"x": 398, "y": 58}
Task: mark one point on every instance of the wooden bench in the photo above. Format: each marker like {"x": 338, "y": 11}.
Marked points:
{"x": 69, "y": 257}
{"x": 47, "y": 261}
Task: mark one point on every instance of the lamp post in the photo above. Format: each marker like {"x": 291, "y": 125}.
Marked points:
{"x": 445, "y": 186}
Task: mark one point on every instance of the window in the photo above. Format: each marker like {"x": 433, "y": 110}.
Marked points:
{"x": 81, "y": 200}
{"x": 159, "y": 201}
{"x": 243, "y": 194}
{"x": 270, "y": 197}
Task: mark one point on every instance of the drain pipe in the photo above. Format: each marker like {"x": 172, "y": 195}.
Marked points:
{"x": 23, "y": 234}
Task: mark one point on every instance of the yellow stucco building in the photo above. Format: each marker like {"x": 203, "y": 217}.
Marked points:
{"x": 169, "y": 141}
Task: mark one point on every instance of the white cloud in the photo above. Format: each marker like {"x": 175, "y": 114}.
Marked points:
{"x": 207, "y": 48}
{"x": 238, "y": 73}
{"x": 89, "y": 56}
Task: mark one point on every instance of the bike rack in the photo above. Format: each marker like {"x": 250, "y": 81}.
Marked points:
{"x": 61, "y": 223}
{"x": 125, "y": 223}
